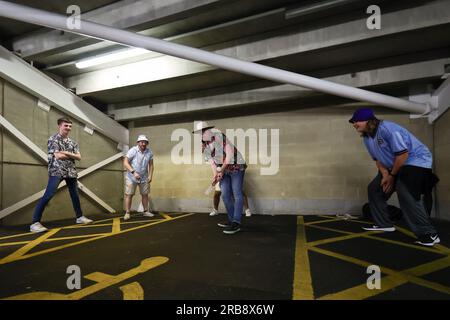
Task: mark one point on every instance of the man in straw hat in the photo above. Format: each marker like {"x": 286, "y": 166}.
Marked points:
{"x": 228, "y": 167}
{"x": 139, "y": 165}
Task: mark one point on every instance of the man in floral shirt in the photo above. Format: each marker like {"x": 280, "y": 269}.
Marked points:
{"x": 228, "y": 167}
{"x": 62, "y": 153}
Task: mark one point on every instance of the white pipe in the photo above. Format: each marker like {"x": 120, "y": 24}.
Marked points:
{"x": 102, "y": 32}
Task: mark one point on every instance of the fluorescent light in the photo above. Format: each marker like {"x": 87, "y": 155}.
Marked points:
{"x": 110, "y": 57}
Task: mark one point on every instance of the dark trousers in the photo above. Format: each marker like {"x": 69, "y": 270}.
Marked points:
{"x": 52, "y": 187}
{"x": 413, "y": 210}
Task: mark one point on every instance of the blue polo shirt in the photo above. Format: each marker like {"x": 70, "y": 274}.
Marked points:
{"x": 391, "y": 140}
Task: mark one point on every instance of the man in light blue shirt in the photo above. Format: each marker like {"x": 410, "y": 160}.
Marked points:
{"x": 404, "y": 165}
{"x": 139, "y": 165}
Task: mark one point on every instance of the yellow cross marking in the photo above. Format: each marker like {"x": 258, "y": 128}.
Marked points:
{"x": 22, "y": 254}
{"x": 302, "y": 289}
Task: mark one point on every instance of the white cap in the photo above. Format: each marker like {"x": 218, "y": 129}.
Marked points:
{"x": 142, "y": 137}
{"x": 201, "y": 125}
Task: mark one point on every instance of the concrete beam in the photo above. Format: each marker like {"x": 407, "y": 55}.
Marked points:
{"x": 24, "y": 76}
{"x": 412, "y": 19}
{"x": 49, "y": 19}
{"x": 381, "y": 76}
{"x": 440, "y": 101}
{"x": 123, "y": 14}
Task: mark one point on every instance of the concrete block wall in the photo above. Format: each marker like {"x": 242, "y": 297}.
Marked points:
{"x": 324, "y": 166}
{"x": 22, "y": 173}
{"x": 442, "y": 164}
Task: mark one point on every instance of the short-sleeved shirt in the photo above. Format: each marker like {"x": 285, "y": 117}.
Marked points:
{"x": 139, "y": 162}
{"x": 64, "y": 168}
{"x": 215, "y": 149}
{"x": 391, "y": 140}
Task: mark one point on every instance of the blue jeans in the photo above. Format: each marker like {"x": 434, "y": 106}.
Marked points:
{"x": 231, "y": 187}
{"x": 52, "y": 186}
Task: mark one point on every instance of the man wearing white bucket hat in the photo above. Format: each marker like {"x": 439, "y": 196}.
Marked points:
{"x": 139, "y": 165}
{"x": 228, "y": 168}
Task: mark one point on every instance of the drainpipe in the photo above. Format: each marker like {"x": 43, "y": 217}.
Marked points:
{"x": 102, "y": 32}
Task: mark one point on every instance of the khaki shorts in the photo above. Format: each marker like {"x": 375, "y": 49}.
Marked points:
{"x": 217, "y": 186}
{"x": 130, "y": 187}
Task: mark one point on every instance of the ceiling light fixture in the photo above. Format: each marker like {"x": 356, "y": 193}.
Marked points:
{"x": 110, "y": 57}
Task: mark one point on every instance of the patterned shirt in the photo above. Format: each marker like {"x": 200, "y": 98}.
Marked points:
{"x": 64, "y": 168}
{"x": 215, "y": 149}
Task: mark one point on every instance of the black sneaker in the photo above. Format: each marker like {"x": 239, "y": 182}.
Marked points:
{"x": 235, "y": 227}
{"x": 428, "y": 240}
{"x": 224, "y": 224}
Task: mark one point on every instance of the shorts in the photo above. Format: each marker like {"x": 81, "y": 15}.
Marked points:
{"x": 130, "y": 187}
{"x": 217, "y": 187}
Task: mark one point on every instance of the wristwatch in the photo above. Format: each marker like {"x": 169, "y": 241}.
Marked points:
{"x": 132, "y": 172}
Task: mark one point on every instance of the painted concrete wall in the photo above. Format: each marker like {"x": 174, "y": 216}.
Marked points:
{"x": 23, "y": 173}
{"x": 442, "y": 164}
{"x": 324, "y": 166}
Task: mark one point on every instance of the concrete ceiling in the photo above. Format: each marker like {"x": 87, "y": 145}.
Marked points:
{"x": 326, "y": 39}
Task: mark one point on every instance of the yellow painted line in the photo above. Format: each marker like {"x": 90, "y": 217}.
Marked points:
{"x": 302, "y": 286}
{"x": 116, "y": 225}
{"x": 341, "y": 238}
{"x": 23, "y": 250}
{"x": 166, "y": 216}
{"x": 7, "y": 244}
{"x": 98, "y": 276}
{"x": 79, "y": 226}
{"x": 2, "y": 261}
{"x": 390, "y": 282}
{"x": 132, "y": 291}
{"x": 369, "y": 236}
{"x": 144, "y": 266}
{"x": 108, "y": 224}
{"x": 142, "y": 221}
{"x": 361, "y": 292}
{"x": 409, "y": 245}
{"x": 322, "y": 221}
{"x": 18, "y": 235}
{"x": 328, "y": 216}
{"x": 76, "y": 237}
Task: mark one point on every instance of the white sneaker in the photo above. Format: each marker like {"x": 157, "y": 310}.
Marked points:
{"x": 213, "y": 213}
{"x": 148, "y": 214}
{"x": 377, "y": 228}
{"x": 83, "y": 220}
{"x": 37, "y": 227}
{"x": 126, "y": 216}
{"x": 248, "y": 213}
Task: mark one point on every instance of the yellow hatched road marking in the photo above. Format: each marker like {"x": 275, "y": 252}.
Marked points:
{"x": 49, "y": 233}
{"x": 369, "y": 235}
{"x": 395, "y": 277}
{"x": 18, "y": 254}
{"x": 302, "y": 286}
